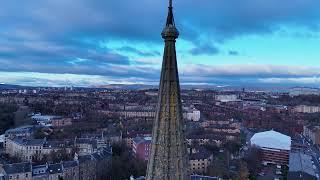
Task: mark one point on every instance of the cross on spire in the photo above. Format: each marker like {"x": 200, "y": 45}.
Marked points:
{"x": 170, "y": 3}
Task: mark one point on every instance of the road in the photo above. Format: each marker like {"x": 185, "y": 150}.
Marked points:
{"x": 314, "y": 153}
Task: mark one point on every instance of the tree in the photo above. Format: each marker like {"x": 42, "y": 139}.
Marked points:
{"x": 233, "y": 146}
{"x": 254, "y": 160}
{"x": 7, "y": 116}
{"x": 219, "y": 167}
{"x": 124, "y": 165}
{"x": 243, "y": 173}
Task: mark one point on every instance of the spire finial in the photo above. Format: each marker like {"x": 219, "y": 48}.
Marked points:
{"x": 170, "y": 18}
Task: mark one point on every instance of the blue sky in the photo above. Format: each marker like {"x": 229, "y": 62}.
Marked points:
{"x": 96, "y": 42}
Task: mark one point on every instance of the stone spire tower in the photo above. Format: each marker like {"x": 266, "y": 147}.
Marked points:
{"x": 169, "y": 158}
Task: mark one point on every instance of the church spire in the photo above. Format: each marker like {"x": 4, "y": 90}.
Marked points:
{"x": 169, "y": 157}
{"x": 170, "y": 18}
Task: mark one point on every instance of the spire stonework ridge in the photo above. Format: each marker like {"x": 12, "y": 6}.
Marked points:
{"x": 169, "y": 157}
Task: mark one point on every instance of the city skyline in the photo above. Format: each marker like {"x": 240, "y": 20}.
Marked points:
{"x": 221, "y": 43}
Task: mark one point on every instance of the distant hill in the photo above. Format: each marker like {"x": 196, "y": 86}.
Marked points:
{"x": 146, "y": 86}
{"x": 9, "y": 86}
{"x": 128, "y": 86}
{"x": 203, "y": 87}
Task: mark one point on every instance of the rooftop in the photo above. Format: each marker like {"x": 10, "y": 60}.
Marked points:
{"x": 139, "y": 140}
{"x": 30, "y": 142}
{"x": 55, "y": 168}
{"x": 70, "y": 164}
{"x": 17, "y": 168}
{"x": 201, "y": 153}
{"x": 271, "y": 139}
{"x": 299, "y": 162}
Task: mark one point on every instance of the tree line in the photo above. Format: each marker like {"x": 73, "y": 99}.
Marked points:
{"x": 7, "y": 114}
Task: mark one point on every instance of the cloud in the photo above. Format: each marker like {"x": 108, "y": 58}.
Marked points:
{"x": 64, "y": 36}
{"x": 138, "y": 52}
{"x": 233, "y": 53}
{"x": 299, "y": 80}
{"x": 48, "y": 79}
{"x": 233, "y": 75}
{"x": 204, "y": 49}
{"x": 251, "y": 71}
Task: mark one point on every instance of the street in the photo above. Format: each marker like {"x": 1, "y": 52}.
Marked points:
{"x": 314, "y": 152}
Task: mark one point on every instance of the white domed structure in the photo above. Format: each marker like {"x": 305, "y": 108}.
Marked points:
{"x": 271, "y": 139}
{"x": 274, "y": 146}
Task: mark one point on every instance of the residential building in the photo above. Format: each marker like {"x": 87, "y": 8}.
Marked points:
{"x": 25, "y": 149}
{"x": 44, "y": 120}
{"x": 226, "y": 98}
{"x": 304, "y": 91}
{"x": 306, "y": 109}
{"x": 312, "y": 133}
{"x": 87, "y": 167}
{"x": 18, "y": 171}
{"x": 254, "y": 104}
{"x": 91, "y": 145}
{"x": 204, "y": 139}
{"x": 39, "y": 172}
{"x": 138, "y": 111}
{"x": 200, "y": 159}
{"x": 2, "y": 138}
{"x": 61, "y": 122}
{"x": 191, "y": 114}
{"x": 141, "y": 147}
{"x": 29, "y": 149}
{"x": 55, "y": 171}
{"x": 2, "y": 172}
{"x": 193, "y": 177}
{"x": 24, "y": 132}
{"x": 70, "y": 170}
{"x": 129, "y": 136}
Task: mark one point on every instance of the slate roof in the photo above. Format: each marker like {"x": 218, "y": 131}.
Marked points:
{"x": 201, "y": 153}
{"x": 23, "y": 129}
{"x": 93, "y": 142}
{"x": 199, "y": 177}
{"x": 70, "y": 164}
{"x": 85, "y": 158}
{"x": 17, "y": 168}
{"x": 55, "y": 168}
{"x": 39, "y": 170}
{"x": 102, "y": 154}
{"x": 138, "y": 140}
{"x": 299, "y": 162}
{"x": 193, "y": 177}
{"x": 30, "y": 142}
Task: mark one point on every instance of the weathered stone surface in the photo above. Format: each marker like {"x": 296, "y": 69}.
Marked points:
{"x": 169, "y": 157}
